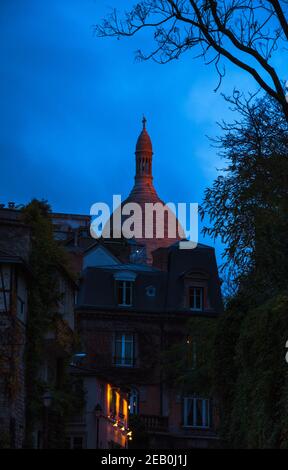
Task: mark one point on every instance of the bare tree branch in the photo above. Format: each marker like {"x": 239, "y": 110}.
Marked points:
{"x": 244, "y": 32}
{"x": 281, "y": 17}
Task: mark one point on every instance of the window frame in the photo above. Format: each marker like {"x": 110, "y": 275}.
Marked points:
{"x": 205, "y": 412}
{"x": 195, "y": 288}
{"x": 133, "y": 404}
{"x": 122, "y": 286}
{"x": 122, "y": 361}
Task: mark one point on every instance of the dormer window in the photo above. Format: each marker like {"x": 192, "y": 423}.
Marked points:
{"x": 196, "y": 298}
{"x": 196, "y": 291}
{"x": 124, "y": 288}
{"x": 125, "y": 293}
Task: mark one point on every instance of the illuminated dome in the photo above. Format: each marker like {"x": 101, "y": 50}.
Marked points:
{"x": 143, "y": 192}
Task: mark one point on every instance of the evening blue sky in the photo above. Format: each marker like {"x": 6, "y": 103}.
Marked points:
{"x": 72, "y": 104}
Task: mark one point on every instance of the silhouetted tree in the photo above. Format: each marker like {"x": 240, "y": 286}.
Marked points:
{"x": 245, "y": 32}
{"x": 248, "y": 203}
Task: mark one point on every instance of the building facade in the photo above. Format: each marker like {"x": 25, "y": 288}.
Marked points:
{"x": 133, "y": 303}
{"x": 58, "y": 348}
{"x": 103, "y": 421}
{"x": 136, "y": 298}
{"x": 14, "y": 279}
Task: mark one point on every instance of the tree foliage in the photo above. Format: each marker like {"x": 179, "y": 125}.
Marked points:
{"x": 188, "y": 365}
{"x": 244, "y": 350}
{"x": 248, "y": 203}
{"x": 244, "y": 32}
{"x": 251, "y": 375}
{"x": 248, "y": 208}
{"x": 43, "y": 297}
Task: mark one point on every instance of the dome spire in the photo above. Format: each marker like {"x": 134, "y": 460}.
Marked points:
{"x": 144, "y": 154}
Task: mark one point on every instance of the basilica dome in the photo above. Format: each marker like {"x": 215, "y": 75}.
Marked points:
{"x": 151, "y": 225}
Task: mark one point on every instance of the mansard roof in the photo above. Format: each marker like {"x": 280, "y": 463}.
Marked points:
{"x": 97, "y": 285}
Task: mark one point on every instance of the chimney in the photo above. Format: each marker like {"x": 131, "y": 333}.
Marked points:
{"x": 160, "y": 259}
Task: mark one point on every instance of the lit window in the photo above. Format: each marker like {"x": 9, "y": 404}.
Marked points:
{"x": 196, "y": 298}
{"x": 196, "y": 412}
{"x": 124, "y": 350}
{"x": 125, "y": 293}
{"x": 112, "y": 402}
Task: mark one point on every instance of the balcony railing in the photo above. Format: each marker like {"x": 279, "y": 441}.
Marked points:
{"x": 154, "y": 423}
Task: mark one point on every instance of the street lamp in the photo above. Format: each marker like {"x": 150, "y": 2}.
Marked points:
{"x": 98, "y": 414}
{"x": 47, "y": 400}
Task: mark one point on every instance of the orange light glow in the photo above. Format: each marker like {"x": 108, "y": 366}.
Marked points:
{"x": 125, "y": 410}
{"x": 108, "y": 398}
{"x": 117, "y": 403}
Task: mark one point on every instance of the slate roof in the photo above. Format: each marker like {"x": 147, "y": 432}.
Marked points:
{"x": 97, "y": 285}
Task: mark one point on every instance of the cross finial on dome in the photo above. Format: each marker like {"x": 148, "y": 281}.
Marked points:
{"x": 144, "y": 120}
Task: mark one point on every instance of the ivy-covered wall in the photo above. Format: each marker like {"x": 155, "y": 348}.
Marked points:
{"x": 251, "y": 374}
{"x": 43, "y": 319}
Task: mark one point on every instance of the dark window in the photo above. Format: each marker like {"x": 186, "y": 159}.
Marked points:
{"x": 59, "y": 372}
{"x": 121, "y": 408}
{"x": 196, "y": 298}
{"x": 125, "y": 293}
{"x": 124, "y": 349}
{"x": 196, "y": 412}
{"x": 20, "y": 307}
{"x": 133, "y": 402}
